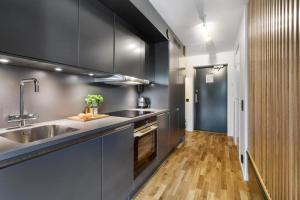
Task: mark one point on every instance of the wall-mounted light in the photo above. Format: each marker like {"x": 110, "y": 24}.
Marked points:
{"x": 91, "y": 74}
{"x": 4, "y": 60}
{"x": 58, "y": 69}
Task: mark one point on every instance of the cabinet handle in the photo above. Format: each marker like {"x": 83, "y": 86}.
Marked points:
{"x": 117, "y": 129}
{"x": 122, "y": 128}
{"x": 147, "y": 131}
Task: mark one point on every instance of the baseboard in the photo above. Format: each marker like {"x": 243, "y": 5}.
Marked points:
{"x": 259, "y": 178}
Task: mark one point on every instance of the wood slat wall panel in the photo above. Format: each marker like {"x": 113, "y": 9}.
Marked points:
{"x": 275, "y": 94}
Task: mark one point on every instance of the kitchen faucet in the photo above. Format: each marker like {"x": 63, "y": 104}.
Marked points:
{"x": 22, "y": 118}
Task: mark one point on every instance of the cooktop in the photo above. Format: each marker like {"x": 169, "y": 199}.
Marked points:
{"x": 129, "y": 113}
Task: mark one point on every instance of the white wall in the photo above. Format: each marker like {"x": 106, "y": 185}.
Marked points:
{"x": 204, "y": 60}
{"x": 241, "y": 92}
{"x": 237, "y": 88}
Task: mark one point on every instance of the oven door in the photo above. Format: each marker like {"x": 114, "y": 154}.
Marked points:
{"x": 145, "y": 145}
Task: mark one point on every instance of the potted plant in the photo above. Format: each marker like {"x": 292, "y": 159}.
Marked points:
{"x": 94, "y": 102}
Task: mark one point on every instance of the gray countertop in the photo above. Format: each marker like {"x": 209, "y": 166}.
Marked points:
{"x": 10, "y": 149}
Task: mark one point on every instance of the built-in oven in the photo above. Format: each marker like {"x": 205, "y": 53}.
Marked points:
{"x": 145, "y": 144}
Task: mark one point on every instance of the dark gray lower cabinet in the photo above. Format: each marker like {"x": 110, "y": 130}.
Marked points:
{"x": 163, "y": 136}
{"x": 174, "y": 129}
{"x": 117, "y": 179}
{"x": 72, "y": 173}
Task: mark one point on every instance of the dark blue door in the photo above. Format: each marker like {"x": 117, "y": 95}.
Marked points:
{"x": 211, "y": 99}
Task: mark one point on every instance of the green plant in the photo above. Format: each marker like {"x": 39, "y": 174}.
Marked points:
{"x": 94, "y": 100}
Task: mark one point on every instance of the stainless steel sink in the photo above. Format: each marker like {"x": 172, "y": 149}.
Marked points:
{"x": 37, "y": 133}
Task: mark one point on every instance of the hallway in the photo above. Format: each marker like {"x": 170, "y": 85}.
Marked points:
{"x": 205, "y": 167}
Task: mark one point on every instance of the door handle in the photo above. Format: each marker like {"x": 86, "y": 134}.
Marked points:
{"x": 196, "y": 98}
{"x": 146, "y": 131}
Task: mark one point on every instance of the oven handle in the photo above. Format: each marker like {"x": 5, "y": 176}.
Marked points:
{"x": 141, "y": 134}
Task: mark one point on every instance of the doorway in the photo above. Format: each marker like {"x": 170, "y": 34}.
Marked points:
{"x": 210, "y": 85}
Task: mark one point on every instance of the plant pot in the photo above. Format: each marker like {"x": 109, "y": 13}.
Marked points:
{"x": 94, "y": 111}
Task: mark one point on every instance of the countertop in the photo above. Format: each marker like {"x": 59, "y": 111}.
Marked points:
{"x": 10, "y": 149}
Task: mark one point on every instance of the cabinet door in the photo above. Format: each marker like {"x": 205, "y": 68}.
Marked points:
{"x": 174, "y": 54}
{"x": 72, "y": 173}
{"x": 173, "y": 89}
{"x": 181, "y": 101}
{"x": 41, "y": 29}
{"x": 96, "y": 36}
{"x": 174, "y": 129}
{"x": 163, "y": 136}
{"x": 161, "y": 55}
{"x": 127, "y": 51}
{"x": 150, "y": 62}
{"x": 118, "y": 152}
{"x": 144, "y": 59}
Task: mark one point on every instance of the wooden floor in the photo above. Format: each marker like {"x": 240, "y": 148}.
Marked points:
{"x": 205, "y": 167}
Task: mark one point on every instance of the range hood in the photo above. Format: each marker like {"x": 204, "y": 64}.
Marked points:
{"x": 112, "y": 79}
{"x": 118, "y": 79}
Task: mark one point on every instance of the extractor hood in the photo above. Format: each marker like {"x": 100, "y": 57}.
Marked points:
{"x": 102, "y": 77}
{"x": 118, "y": 79}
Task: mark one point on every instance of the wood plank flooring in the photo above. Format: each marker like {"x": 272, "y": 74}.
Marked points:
{"x": 205, "y": 167}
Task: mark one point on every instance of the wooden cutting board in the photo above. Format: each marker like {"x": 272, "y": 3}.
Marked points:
{"x": 100, "y": 116}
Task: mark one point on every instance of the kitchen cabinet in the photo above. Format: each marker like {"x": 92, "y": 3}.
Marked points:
{"x": 157, "y": 68}
{"x": 173, "y": 75}
{"x": 173, "y": 90}
{"x": 128, "y": 50}
{"x": 41, "y": 29}
{"x": 181, "y": 100}
{"x": 161, "y": 54}
{"x": 71, "y": 173}
{"x": 174, "y": 129}
{"x": 176, "y": 93}
{"x": 96, "y": 36}
{"x": 118, "y": 152}
{"x": 163, "y": 136}
{"x": 144, "y": 59}
{"x": 149, "y": 60}
{"x": 174, "y": 53}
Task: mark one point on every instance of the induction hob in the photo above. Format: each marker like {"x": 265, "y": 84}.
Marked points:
{"x": 129, "y": 113}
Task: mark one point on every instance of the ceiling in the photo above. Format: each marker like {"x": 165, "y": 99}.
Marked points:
{"x": 185, "y": 17}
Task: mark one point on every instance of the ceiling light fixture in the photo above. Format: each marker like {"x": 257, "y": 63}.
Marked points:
{"x": 58, "y": 69}
{"x": 4, "y": 60}
{"x": 205, "y": 30}
{"x": 207, "y": 38}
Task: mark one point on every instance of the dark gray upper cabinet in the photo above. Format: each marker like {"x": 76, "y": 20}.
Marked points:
{"x": 157, "y": 67}
{"x": 149, "y": 62}
{"x": 161, "y": 63}
{"x": 163, "y": 136}
{"x": 118, "y": 152}
{"x": 40, "y": 29}
{"x": 174, "y": 51}
{"x": 96, "y": 36}
{"x": 127, "y": 51}
{"x": 173, "y": 90}
{"x": 143, "y": 58}
{"x": 71, "y": 173}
